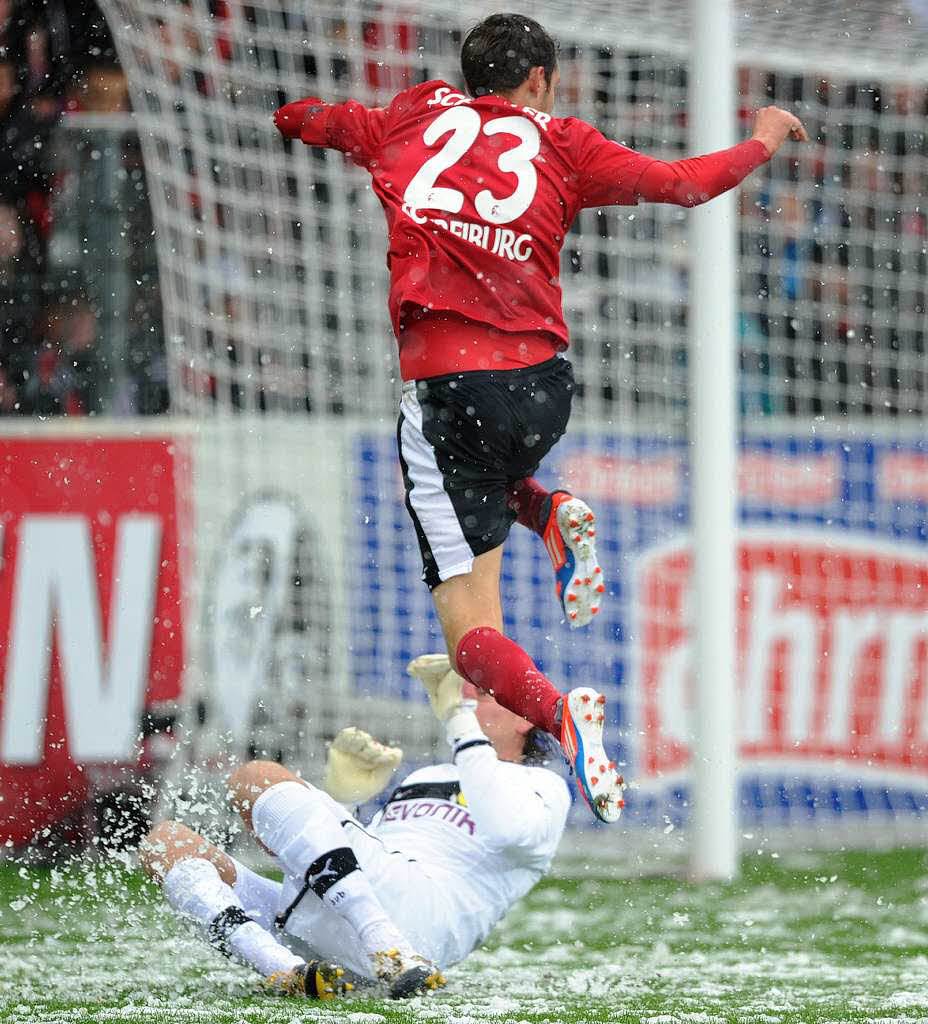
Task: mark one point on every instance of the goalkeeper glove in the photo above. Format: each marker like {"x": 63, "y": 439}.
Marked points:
{"x": 441, "y": 682}
{"x": 443, "y": 685}
{"x": 358, "y": 766}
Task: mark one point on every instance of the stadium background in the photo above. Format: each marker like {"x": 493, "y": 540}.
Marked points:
{"x": 236, "y": 432}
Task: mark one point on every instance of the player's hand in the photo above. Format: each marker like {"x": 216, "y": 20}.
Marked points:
{"x": 773, "y": 126}
{"x": 441, "y": 682}
{"x": 358, "y": 766}
{"x": 289, "y": 120}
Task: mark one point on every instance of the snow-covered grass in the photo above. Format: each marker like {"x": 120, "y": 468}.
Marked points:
{"x": 802, "y": 938}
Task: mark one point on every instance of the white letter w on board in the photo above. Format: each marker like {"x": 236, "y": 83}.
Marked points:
{"x": 55, "y": 595}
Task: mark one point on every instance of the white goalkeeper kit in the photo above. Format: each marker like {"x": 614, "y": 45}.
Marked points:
{"x": 452, "y": 849}
{"x": 454, "y": 846}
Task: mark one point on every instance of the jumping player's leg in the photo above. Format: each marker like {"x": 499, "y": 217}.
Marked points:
{"x": 462, "y": 441}
{"x": 302, "y": 827}
{"x": 228, "y": 902}
{"x": 469, "y": 610}
{"x": 567, "y": 527}
{"x": 468, "y": 606}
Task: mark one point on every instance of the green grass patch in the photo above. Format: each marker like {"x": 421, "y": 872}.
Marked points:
{"x": 809, "y": 938}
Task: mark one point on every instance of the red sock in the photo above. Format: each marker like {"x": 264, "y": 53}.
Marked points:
{"x": 493, "y": 663}
{"x": 525, "y": 499}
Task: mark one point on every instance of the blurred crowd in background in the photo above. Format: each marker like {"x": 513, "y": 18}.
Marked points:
{"x": 833, "y": 248}
{"x": 68, "y": 267}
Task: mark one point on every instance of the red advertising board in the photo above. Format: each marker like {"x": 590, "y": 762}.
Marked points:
{"x": 832, "y": 654}
{"x": 91, "y": 626}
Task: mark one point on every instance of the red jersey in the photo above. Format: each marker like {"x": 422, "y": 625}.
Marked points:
{"x": 479, "y": 195}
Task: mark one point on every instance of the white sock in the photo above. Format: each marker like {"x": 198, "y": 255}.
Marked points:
{"x": 260, "y": 896}
{"x": 193, "y": 887}
{"x": 299, "y": 828}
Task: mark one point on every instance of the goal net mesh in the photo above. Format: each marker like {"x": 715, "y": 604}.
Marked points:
{"x": 304, "y": 582}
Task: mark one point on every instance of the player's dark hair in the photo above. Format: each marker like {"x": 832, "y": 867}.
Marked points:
{"x": 537, "y": 748}
{"x": 498, "y": 54}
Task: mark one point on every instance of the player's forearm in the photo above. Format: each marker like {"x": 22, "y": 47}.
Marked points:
{"x": 698, "y": 179}
{"x": 305, "y": 120}
{"x": 506, "y": 813}
{"x": 507, "y": 810}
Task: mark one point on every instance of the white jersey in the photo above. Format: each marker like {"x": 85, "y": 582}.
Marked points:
{"x": 482, "y": 829}
{"x": 454, "y": 847}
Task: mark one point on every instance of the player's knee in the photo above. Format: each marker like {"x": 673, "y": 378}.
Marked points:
{"x": 247, "y": 782}
{"x": 166, "y": 844}
{"x": 170, "y": 842}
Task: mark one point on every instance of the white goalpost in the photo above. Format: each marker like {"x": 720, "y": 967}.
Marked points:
{"x": 712, "y": 348}
{"x": 748, "y": 423}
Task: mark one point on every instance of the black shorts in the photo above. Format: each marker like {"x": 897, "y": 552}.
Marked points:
{"x": 463, "y": 441}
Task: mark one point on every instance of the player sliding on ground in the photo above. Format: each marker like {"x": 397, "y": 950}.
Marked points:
{"x": 479, "y": 192}
{"x": 395, "y": 901}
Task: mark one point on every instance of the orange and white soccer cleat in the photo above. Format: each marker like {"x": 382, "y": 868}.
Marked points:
{"x": 569, "y": 536}
{"x": 600, "y": 784}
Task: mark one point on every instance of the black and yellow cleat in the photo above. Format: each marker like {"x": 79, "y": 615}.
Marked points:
{"x": 416, "y": 981}
{"x": 318, "y": 979}
{"x": 406, "y": 975}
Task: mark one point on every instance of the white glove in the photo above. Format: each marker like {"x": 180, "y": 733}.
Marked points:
{"x": 443, "y": 685}
{"x": 441, "y": 682}
{"x": 358, "y": 766}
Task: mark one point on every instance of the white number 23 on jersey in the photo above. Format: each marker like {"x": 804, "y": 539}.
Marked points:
{"x": 464, "y": 125}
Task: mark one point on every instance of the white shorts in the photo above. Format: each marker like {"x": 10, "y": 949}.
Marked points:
{"x": 416, "y": 903}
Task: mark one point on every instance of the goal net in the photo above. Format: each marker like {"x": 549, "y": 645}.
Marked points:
{"x": 305, "y": 589}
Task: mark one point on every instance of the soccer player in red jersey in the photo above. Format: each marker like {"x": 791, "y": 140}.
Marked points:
{"x": 479, "y": 190}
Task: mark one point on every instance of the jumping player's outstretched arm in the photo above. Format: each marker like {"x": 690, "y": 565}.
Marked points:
{"x": 697, "y": 179}
{"x": 611, "y": 174}
{"x": 354, "y": 129}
